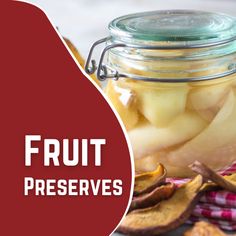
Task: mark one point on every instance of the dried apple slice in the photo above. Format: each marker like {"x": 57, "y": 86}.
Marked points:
{"x": 231, "y": 178}
{"x": 160, "y": 193}
{"x": 203, "y": 228}
{"x": 209, "y": 174}
{"x": 165, "y": 216}
{"x": 152, "y": 139}
{"x": 146, "y": 182}
{"x": 124, "y": 103}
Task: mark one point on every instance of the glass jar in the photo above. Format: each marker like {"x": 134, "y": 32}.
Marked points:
{"x": 172, "y": 80}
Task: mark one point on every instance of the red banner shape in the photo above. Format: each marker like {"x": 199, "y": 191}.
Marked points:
{"x": 44, "y": 93}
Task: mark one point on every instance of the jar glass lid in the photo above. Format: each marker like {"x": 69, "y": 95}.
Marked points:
{"x": 174, "y": 27}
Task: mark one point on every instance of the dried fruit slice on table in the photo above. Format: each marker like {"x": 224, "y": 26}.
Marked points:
{"x": 204, "y": 229}
{"x": 227, "y": 182}
{"x": 165, "y": 216}
{"x": 148, "y": 181}
{"x": 163, "y": 192}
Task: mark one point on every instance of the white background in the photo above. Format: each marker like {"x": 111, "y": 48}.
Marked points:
{"x": 85, "y": 21}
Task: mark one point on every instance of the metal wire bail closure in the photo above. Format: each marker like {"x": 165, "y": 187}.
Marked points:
{"x": 105, "y": 72}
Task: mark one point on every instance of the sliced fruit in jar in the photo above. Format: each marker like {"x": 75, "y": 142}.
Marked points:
{"x": 161, "y": 105}
{"x": 146, "y": 182}
{"x": 216, "y": 145}
{"x": 147, "y": 139}
{"x": 165, "y": 216}
{"x": 208, "y": 100}
{"x": 124, "y": 103}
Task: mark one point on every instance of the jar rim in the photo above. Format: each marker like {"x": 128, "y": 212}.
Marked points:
{"x": 145, "y": 39}
{"x": 174, "y": 28}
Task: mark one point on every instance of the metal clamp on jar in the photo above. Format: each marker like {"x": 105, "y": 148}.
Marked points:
{"x": 172, "y": 81}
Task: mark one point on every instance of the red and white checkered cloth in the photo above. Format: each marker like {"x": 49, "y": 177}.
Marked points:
{"x": 216, "y": 207}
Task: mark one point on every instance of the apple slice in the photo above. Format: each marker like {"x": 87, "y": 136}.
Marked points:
{"x": 208, "y": 100}
{"x": 161, "y": 105}
{"x": 147, "y": 139}
{"x": 124, "y": 103}
{"x": 216, "y": 145}
{"x": 233, "y": 77}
